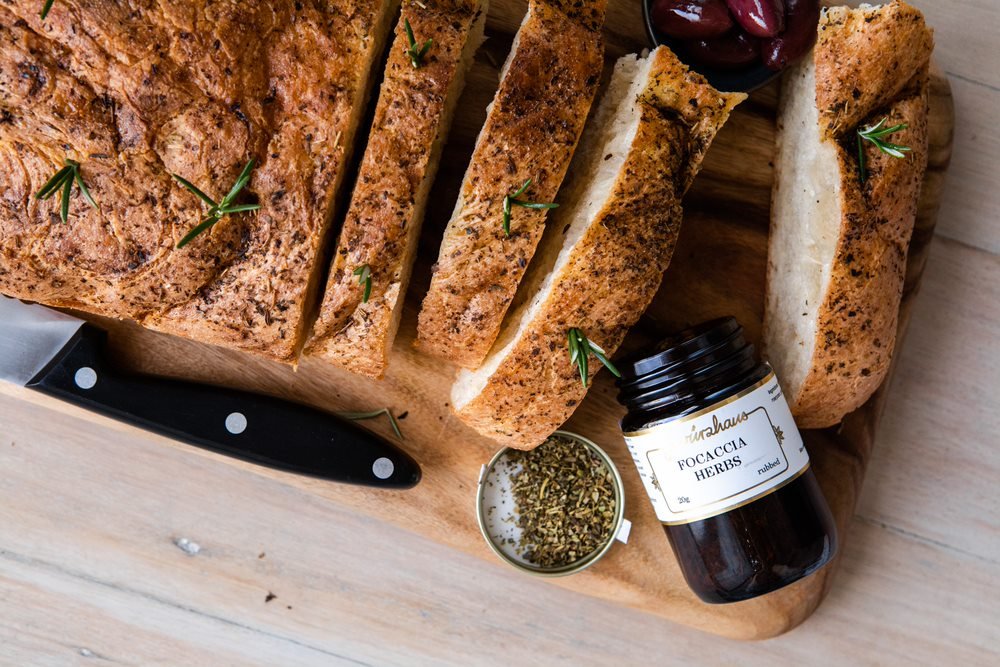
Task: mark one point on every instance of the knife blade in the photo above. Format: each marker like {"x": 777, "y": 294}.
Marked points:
{"x": 62, "y": 356}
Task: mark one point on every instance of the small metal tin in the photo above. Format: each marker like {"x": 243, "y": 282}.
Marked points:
{"x": 494, "y": 502}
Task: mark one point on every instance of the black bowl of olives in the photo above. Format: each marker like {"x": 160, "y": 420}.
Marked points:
{"x": 738, "y": 45}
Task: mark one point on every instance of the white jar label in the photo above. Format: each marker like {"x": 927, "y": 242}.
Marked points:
{"x": 719, "y": 458}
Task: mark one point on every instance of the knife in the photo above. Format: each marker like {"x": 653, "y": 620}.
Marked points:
{"x": 62, "y": 356}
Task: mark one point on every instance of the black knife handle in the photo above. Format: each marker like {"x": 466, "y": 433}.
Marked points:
{"x": 259, "y": 429}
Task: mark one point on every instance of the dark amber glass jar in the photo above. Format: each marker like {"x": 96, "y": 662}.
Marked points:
{"x": 724, "y": 465}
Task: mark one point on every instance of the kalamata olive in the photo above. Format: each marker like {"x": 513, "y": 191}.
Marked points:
{"x": 760, "y": 18}
{"x": 691, "y": 19}
{"x": 733, "y": 51}
{"x": 800, "y": 34}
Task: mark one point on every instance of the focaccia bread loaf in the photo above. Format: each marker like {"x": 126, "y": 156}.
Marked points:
{"x": 383, "y": 221}
{"x": 137, "y": 92}
{"x": 534, "y": 122}
{"x": 837, "y": 250}
{"x": 604, "y": 254}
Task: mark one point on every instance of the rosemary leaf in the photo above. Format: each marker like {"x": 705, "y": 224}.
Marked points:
{"x": 206, "y": 223}
{"x": 194, "y": 190}
{"x": 874, "y": 134}
{"x": 83, "y": 186}
{"x": 364, "y": 274}
{"x": 521, "y": 190}
{"x": 67, "y": 192}
{"x": 62, "y": 181}
{"x": 241, "y": 183}
{"x": 580, "y": 349}
{"x": 409, "y": 33}
{"x": 536, "y": 205}
{"x": 599, "y": 353}
{"x": 239, "y": 208}
{"x": 45, "y": 8}
{"x": 416, "y": 53}
{"x": 574, "y": 347}
{"x": 217, "y": 210}
{"x": 53, "y": 183}
{"x": 512, "y": 200}
{"x": 355, "y": 416}
{"x": 506, "y": 216}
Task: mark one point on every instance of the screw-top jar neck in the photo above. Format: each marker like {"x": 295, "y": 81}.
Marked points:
{"x": 688, "y": 368}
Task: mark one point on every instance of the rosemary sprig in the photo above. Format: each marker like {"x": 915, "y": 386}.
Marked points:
{"x": 46, "y": 7}
{"x": 874, "y": 134}
{"x": 415, "y": 52}
{"x": 580, "y": 349}
{"x": 355, "y": 416}
{"x": 512, "y": 200}
{"x": 364, "y": 274}
{"x": 217, "y": 210}
{"x": 63, "y": 181}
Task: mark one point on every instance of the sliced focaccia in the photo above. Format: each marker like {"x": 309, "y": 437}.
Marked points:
{"x": 840, "y": 223}
{"x": 604, "y": 255}
{"x": 534, "y": 122}
{"x": 371, "y": 267}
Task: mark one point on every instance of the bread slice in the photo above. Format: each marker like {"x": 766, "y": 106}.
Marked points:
{"x": 319, "y": 61}
{"x": 383, "y": 221}
{"x": 837, "y": 254}
{"x": 136, "y": 92}
{"x": 534, "y": 122}
{"x": 606, "y": 249}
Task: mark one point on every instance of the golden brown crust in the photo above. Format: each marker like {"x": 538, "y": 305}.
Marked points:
{"x": 615, "y": 269}
{"x": 195, "y": 89}
{"x": 531, "y": 132}
{"x": 383, "y": 221}
{"x": 865, "y": 59}
{"x": 856, "y": 327}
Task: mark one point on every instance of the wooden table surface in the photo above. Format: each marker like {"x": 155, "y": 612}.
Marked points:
{"x": 121, "y": 550}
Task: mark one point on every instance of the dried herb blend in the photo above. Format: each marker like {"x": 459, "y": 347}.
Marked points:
{"x": 564, "y": 498}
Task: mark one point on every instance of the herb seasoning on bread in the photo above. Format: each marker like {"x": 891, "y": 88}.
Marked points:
{"x": 604, "y": 252}
{"x": 139, "y": 95}
{"x": 852, "y": 150}
{"x": 534, "y": 122}
{"x": 378, "y": 243}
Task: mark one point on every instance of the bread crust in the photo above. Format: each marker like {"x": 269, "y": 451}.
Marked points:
{"x": 871, "y": 63}
{"x": 136, "y": 93}
{"x": 383, "y": 221}
{"x": 865, "y": 60}
{"x": 615, "y": 269}
{"x": 531, "y": 131}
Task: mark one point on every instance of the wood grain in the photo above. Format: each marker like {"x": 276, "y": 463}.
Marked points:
{"x": 973, "y": 212}
{"x": 918, "y": 579}
{"x": 941, "y": 424}
{"x": 724, "y": 236}
{"x": 88, "y": 563}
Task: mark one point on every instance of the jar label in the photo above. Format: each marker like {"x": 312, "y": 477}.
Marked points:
{"x": 714, "y": 460}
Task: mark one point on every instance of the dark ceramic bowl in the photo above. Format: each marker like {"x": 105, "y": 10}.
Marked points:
{"x": 726, "y": 80}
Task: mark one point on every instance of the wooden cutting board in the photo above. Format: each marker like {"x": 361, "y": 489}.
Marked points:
{"x": 718, "y": 269}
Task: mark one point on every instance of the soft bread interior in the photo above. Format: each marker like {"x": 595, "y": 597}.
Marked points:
{"x": 593, "y": 173}
{"x": 805, "y": 229}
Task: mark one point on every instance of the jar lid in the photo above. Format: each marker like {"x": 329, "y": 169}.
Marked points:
{"x": 687, "y": 366}
{"x": 495, "y": 511}
{"x": 683, "y": 346}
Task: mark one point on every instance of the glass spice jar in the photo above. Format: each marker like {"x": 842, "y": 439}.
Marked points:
{"x": 724, "y": 464}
